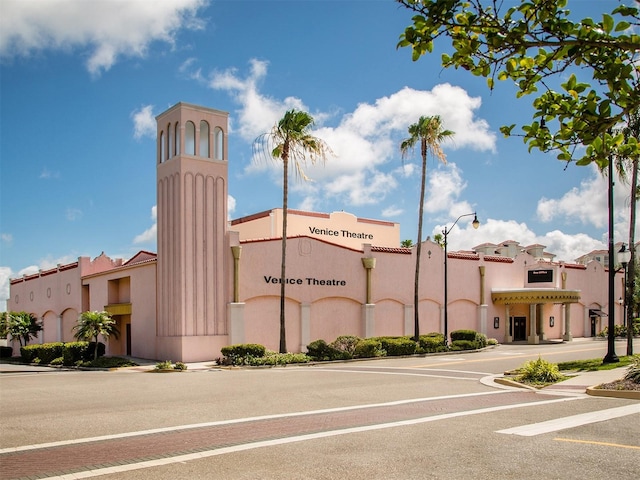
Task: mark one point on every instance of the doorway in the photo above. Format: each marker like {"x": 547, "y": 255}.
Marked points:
{"x": 128, "y": 339}
{"x": 519, "y": 329}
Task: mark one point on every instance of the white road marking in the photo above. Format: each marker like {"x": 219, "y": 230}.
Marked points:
{"x": 406, "y": 374}
{"x": 570, "y": 422}
{"x": 116, "y": 436}
{"x": 284, "y": 441}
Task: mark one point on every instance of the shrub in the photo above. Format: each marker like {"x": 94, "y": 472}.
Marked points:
{"x": 633, "y": 373}
{"x": 346, "y": 344}
{"x": 492, "y": 341}
{"x": 539, "y": 371}
{"x": 397, "y": 346}
{"x": 45, "y": 352}
{"x": 166, "y": 365}
{"x": 73, "y": 352}
{"x": 481, "y": 340}
{"x": 236, "y": 354}
{"x": 91, "y": 349}
{"x": 321, "y": 351}
{"x": 6, "y": 352}
{"x": 106, "y": 362}
{"x": 180, "y": 366}
{"x": 57, "y": 361}
{"x": 274, "y": 358}
{"x": 458, "y": 345}
{"x": 431, "y": 342}
{"x": 463, "y": 335}
{"x": 369, "y": 348}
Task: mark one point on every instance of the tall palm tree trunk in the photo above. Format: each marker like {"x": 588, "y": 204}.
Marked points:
{"x": 631, "y": 272}
{"x": 416, "y": 284}
{"x": 285, "y": 194}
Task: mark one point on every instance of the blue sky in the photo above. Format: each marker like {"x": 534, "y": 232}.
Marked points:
{"x": 82, "y": 80}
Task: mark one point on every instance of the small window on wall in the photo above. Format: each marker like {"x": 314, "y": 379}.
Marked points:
{"x": 190, "y": 138}
{"x": 168, "y": 145}
{"x": 204, "y": 139}
{"x": 219, "y": 144}
{"x": 161, "y": 142}
{"x": 177, "y": 137}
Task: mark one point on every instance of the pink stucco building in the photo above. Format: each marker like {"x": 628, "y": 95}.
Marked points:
{"x": 215, "y": 283}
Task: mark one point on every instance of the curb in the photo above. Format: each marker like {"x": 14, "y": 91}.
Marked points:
{"x": 600, "y": 392}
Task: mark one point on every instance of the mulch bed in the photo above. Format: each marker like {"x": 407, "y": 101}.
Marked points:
{"x": 620, "y": 385}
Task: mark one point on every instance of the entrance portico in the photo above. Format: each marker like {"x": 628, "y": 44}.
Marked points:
{"x": 535, "y": 299}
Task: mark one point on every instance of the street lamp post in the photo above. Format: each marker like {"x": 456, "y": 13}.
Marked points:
{"x": 624, "y": 256}
{"x": 445, "y": 232}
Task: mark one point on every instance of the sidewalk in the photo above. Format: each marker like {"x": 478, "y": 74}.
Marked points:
{"x": 587, "y": 381}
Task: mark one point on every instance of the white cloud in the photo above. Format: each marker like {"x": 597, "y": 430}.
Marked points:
{"x": 363, "y": 140}
{"x": 46, "y": 174}
{"x": 5, "y": 276}
{"x": 6, "y": 238}
{"x": 392, "y": 211}
{"x": 571, "y": 206}
{"x": 73, "y": 214}
{"x": 107, "y": 30}
{"x": 150, "y": 235}
{"x": 588, "y": 205}
{"x": 144, "y": 122}
{"x": 565, "y": 247}
{"x": 231, "y": 206}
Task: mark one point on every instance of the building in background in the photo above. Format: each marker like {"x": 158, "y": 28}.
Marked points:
{"x": 214, "y": 283}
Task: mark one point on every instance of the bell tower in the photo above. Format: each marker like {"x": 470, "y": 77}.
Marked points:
{"x": 192, "y": 185}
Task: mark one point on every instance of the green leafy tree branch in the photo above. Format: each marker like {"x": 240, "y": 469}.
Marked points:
{"x": 533, "y": 44}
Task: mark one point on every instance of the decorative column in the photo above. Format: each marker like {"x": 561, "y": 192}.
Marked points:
{"x": 59, "y": 328}
{"x": 305, "y": 326}
{"x": 369, "y": 263}
{"x": 368, "y": 312}
{"x": 236, "y": 309}
{"x": 540, "y": 310}
{"x": 236, "y": 250}
{"x": 508, "y": 335}
{"x": 482, "y": 309}
{"x": 408, "y": 320}
{"x": 533, "y": 337}
{"x": 566, "y": 311}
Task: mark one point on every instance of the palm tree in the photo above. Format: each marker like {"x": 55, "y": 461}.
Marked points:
{"x": 290, "y": 140}
{"x": 22, "y": 326}
{"x": 93, "y": 324}
{"x": 631, "y": 130}
{"x": 429, "y": 132}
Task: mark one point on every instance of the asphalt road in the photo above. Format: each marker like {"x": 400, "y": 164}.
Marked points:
{"x": 426, "y": 417}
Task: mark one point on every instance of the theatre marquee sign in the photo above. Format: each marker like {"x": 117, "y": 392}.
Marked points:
{"x": 331, "y": 282}
{"x": 328, "y": 232}
{"x": 540, "y": 275}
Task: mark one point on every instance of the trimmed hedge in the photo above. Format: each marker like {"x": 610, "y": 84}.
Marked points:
{"x": 321, "y": 351}
{"x": 457, "y": 345}
{"x": 369, "y": 348}
{"x": 71, "y": 353}
{"x": 239, "y": 354}
{"x": 74, "y": 352}
{"x": 463, "y": 335}
{"x": 42, "y": 353}
{"x": 398, "y": 346}
{"x": 431, "y": 343}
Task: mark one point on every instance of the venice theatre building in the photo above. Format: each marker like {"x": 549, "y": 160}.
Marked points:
{"x": 214, "y": 283}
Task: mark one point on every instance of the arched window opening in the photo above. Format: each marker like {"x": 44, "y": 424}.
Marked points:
{"x": 170, "y": 146}
{"x": 204, "y": 139}
{"x": 190, "y": 138}
{"x": 161, "y": 148}
{"x": 219, "y": 144}
{"x": 177, "y": 136}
